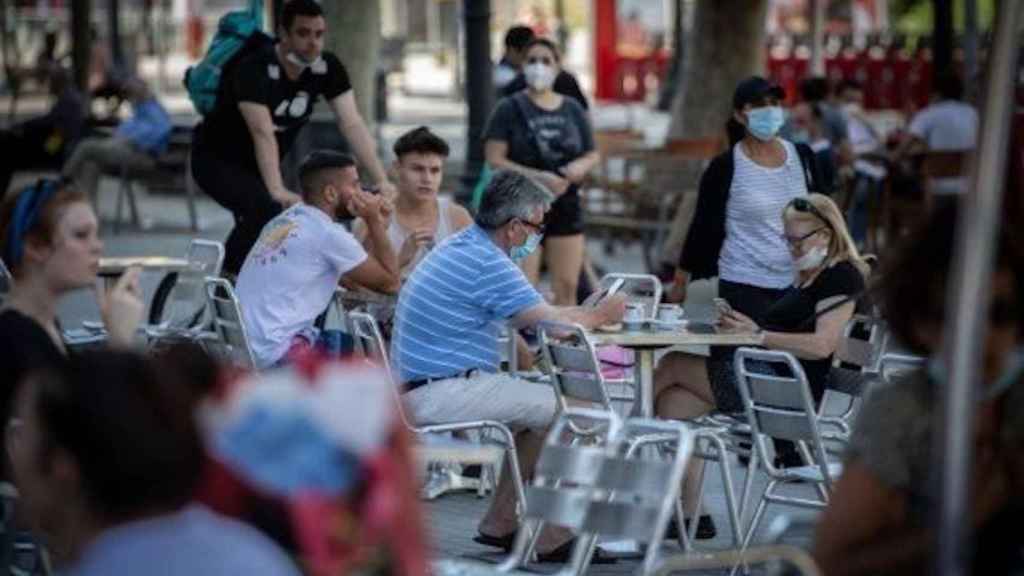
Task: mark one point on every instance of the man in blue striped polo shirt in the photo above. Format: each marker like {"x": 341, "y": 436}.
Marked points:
{"x": 445, "y": 345}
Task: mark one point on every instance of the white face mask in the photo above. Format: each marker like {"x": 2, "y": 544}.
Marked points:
{"x": 301, "y": 62}
{"x": 811, "y": 260}
{"x": 539, "y": 76}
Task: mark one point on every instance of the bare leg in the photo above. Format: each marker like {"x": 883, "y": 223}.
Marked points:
{"x": 564, "y": 256}
{"x": 683, "y": 392}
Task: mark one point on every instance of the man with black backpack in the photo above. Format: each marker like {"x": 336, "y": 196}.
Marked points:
{"x": 265, "y": 96}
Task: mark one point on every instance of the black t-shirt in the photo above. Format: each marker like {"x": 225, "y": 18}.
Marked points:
{"x": 24, "y": 346}
{"x": 261, "y": 79}
{"x": 794, "y": 311}
{"x": 565, "y": 84}
{"x": 561, "y": 135}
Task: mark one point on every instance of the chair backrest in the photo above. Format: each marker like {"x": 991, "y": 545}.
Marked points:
{"x": 862, "y": 344}
{"x": 564, "y": 477}
{"x": 779, "y": 406}
{"x": 227, "y": 321}
{"x": 187, "y": 306}
{"x": 643, "y": 486}
{"x": 369, "y": 342}
{"x": 643, "y": 288}
{"x": 573, "y": 366}
{"x": 6, "y": 281}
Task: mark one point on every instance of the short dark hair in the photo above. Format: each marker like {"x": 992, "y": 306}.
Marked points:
{"x": 316, "y": 163}
{"x": 294, "y": 8}
{"x": 814, "y": 89}
{"x": 518, "y": 37}
{"x": 123, "y": 419}
{"x": 914, "y": 280}
{"x": 420, "y": 140}
{"x": 949, "y": 86}
{"x": 545, "y": 42}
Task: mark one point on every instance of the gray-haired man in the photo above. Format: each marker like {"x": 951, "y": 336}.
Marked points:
{"x": 445, "y": 346}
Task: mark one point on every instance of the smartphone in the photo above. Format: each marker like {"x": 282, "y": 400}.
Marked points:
{"x": 596, "y": 298}
{"x": 723, "y": 305}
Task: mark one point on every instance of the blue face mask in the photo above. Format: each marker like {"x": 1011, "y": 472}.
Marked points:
{"x": 764, "y": 123}
{"x": 520, "y": 253}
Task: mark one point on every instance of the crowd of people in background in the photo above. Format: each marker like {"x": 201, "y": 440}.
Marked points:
{"x": 111, "y": 451}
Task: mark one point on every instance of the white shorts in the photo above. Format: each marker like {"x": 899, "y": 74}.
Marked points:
{"x": 502, "y": 397}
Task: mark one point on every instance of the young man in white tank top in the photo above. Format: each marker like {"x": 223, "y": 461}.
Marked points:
{"x": 420, "y": 219}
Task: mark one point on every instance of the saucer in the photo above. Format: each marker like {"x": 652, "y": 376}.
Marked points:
{"x": 668, "y": 324}
{"x": 634, "y": 324}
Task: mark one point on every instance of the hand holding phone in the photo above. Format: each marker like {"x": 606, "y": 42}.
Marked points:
{"x": 597, "y": 297}
{"x": 723, "y": 306}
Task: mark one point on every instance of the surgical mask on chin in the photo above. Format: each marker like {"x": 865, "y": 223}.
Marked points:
{"x": 811, "y": 260}
{"x": 765, "y": 122}
{"x": 298, "y": 60}
{"x": 519, "y": 253}
{"x": 1010, "y": 375}
{"x": 539, "y": 76}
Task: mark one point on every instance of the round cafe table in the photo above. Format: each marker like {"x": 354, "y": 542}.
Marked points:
{"x": 646, "y": 340}
{"x": 114, "y": 267}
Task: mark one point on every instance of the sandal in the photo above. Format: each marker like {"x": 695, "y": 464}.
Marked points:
{"x": 504, "y": 542}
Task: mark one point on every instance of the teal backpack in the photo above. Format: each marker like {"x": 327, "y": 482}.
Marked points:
{"x": 238, "y": 33}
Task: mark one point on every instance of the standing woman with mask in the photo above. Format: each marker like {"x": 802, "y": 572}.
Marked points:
{"x": 737, "y": 234}
{"x": 548, "y": 137}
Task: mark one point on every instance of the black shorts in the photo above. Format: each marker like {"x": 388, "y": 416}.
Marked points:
{"x": 566, "y": 215}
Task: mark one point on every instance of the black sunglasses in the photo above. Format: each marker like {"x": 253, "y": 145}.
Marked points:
{"x": 796, "y": 240}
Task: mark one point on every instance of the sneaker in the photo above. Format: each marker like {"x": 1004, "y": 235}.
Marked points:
{"x": 706, "y": 529}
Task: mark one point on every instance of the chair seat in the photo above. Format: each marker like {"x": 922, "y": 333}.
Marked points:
{"x": 812, "y": 473}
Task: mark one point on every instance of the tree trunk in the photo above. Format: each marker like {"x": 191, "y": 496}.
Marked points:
{"x": 726, "y": 45}
{"x": 353, "y": 33}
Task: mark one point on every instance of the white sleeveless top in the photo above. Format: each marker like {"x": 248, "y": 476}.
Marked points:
{"x": 397, "y": 234}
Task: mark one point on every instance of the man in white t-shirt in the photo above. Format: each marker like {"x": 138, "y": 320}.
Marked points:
{"x": 290, "y": 275}
{"x": 948, "y": 124}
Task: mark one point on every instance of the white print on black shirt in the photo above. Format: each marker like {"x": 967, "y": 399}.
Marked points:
{"x": 295, "y": 107}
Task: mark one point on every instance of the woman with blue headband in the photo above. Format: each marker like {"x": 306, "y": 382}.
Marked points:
{"x": 49, "y": 240}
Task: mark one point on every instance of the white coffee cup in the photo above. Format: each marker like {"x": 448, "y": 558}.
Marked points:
{"x": 670, "y": 312}
{"x": 634, "y": 313}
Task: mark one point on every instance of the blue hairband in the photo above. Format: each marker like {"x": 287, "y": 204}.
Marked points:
{"x": 26, "y": 213}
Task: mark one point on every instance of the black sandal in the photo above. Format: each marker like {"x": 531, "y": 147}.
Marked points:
{"x": 504, "y": 542}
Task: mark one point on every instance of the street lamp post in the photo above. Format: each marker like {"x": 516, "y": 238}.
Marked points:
{"x": 479, "y": 86}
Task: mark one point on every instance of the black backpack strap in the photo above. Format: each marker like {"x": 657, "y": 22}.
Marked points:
{"x": 809, "y": 163}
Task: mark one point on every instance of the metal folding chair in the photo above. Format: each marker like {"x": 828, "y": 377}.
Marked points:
{"x": 227, "y": 322}
{"x": 186, "y": 312}
{"x": 857, "y": 360}
{"x": 576, "y": 376}
{"x": 782, "y": 407}
{"x": 369, "y": 341}
{"x": 6, "y": 281}
{"x": 772, "y": 556}
{"x": 561, "y": 494}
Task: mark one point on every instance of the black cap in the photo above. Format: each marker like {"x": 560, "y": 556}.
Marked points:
{"x": 754, "y": 89}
